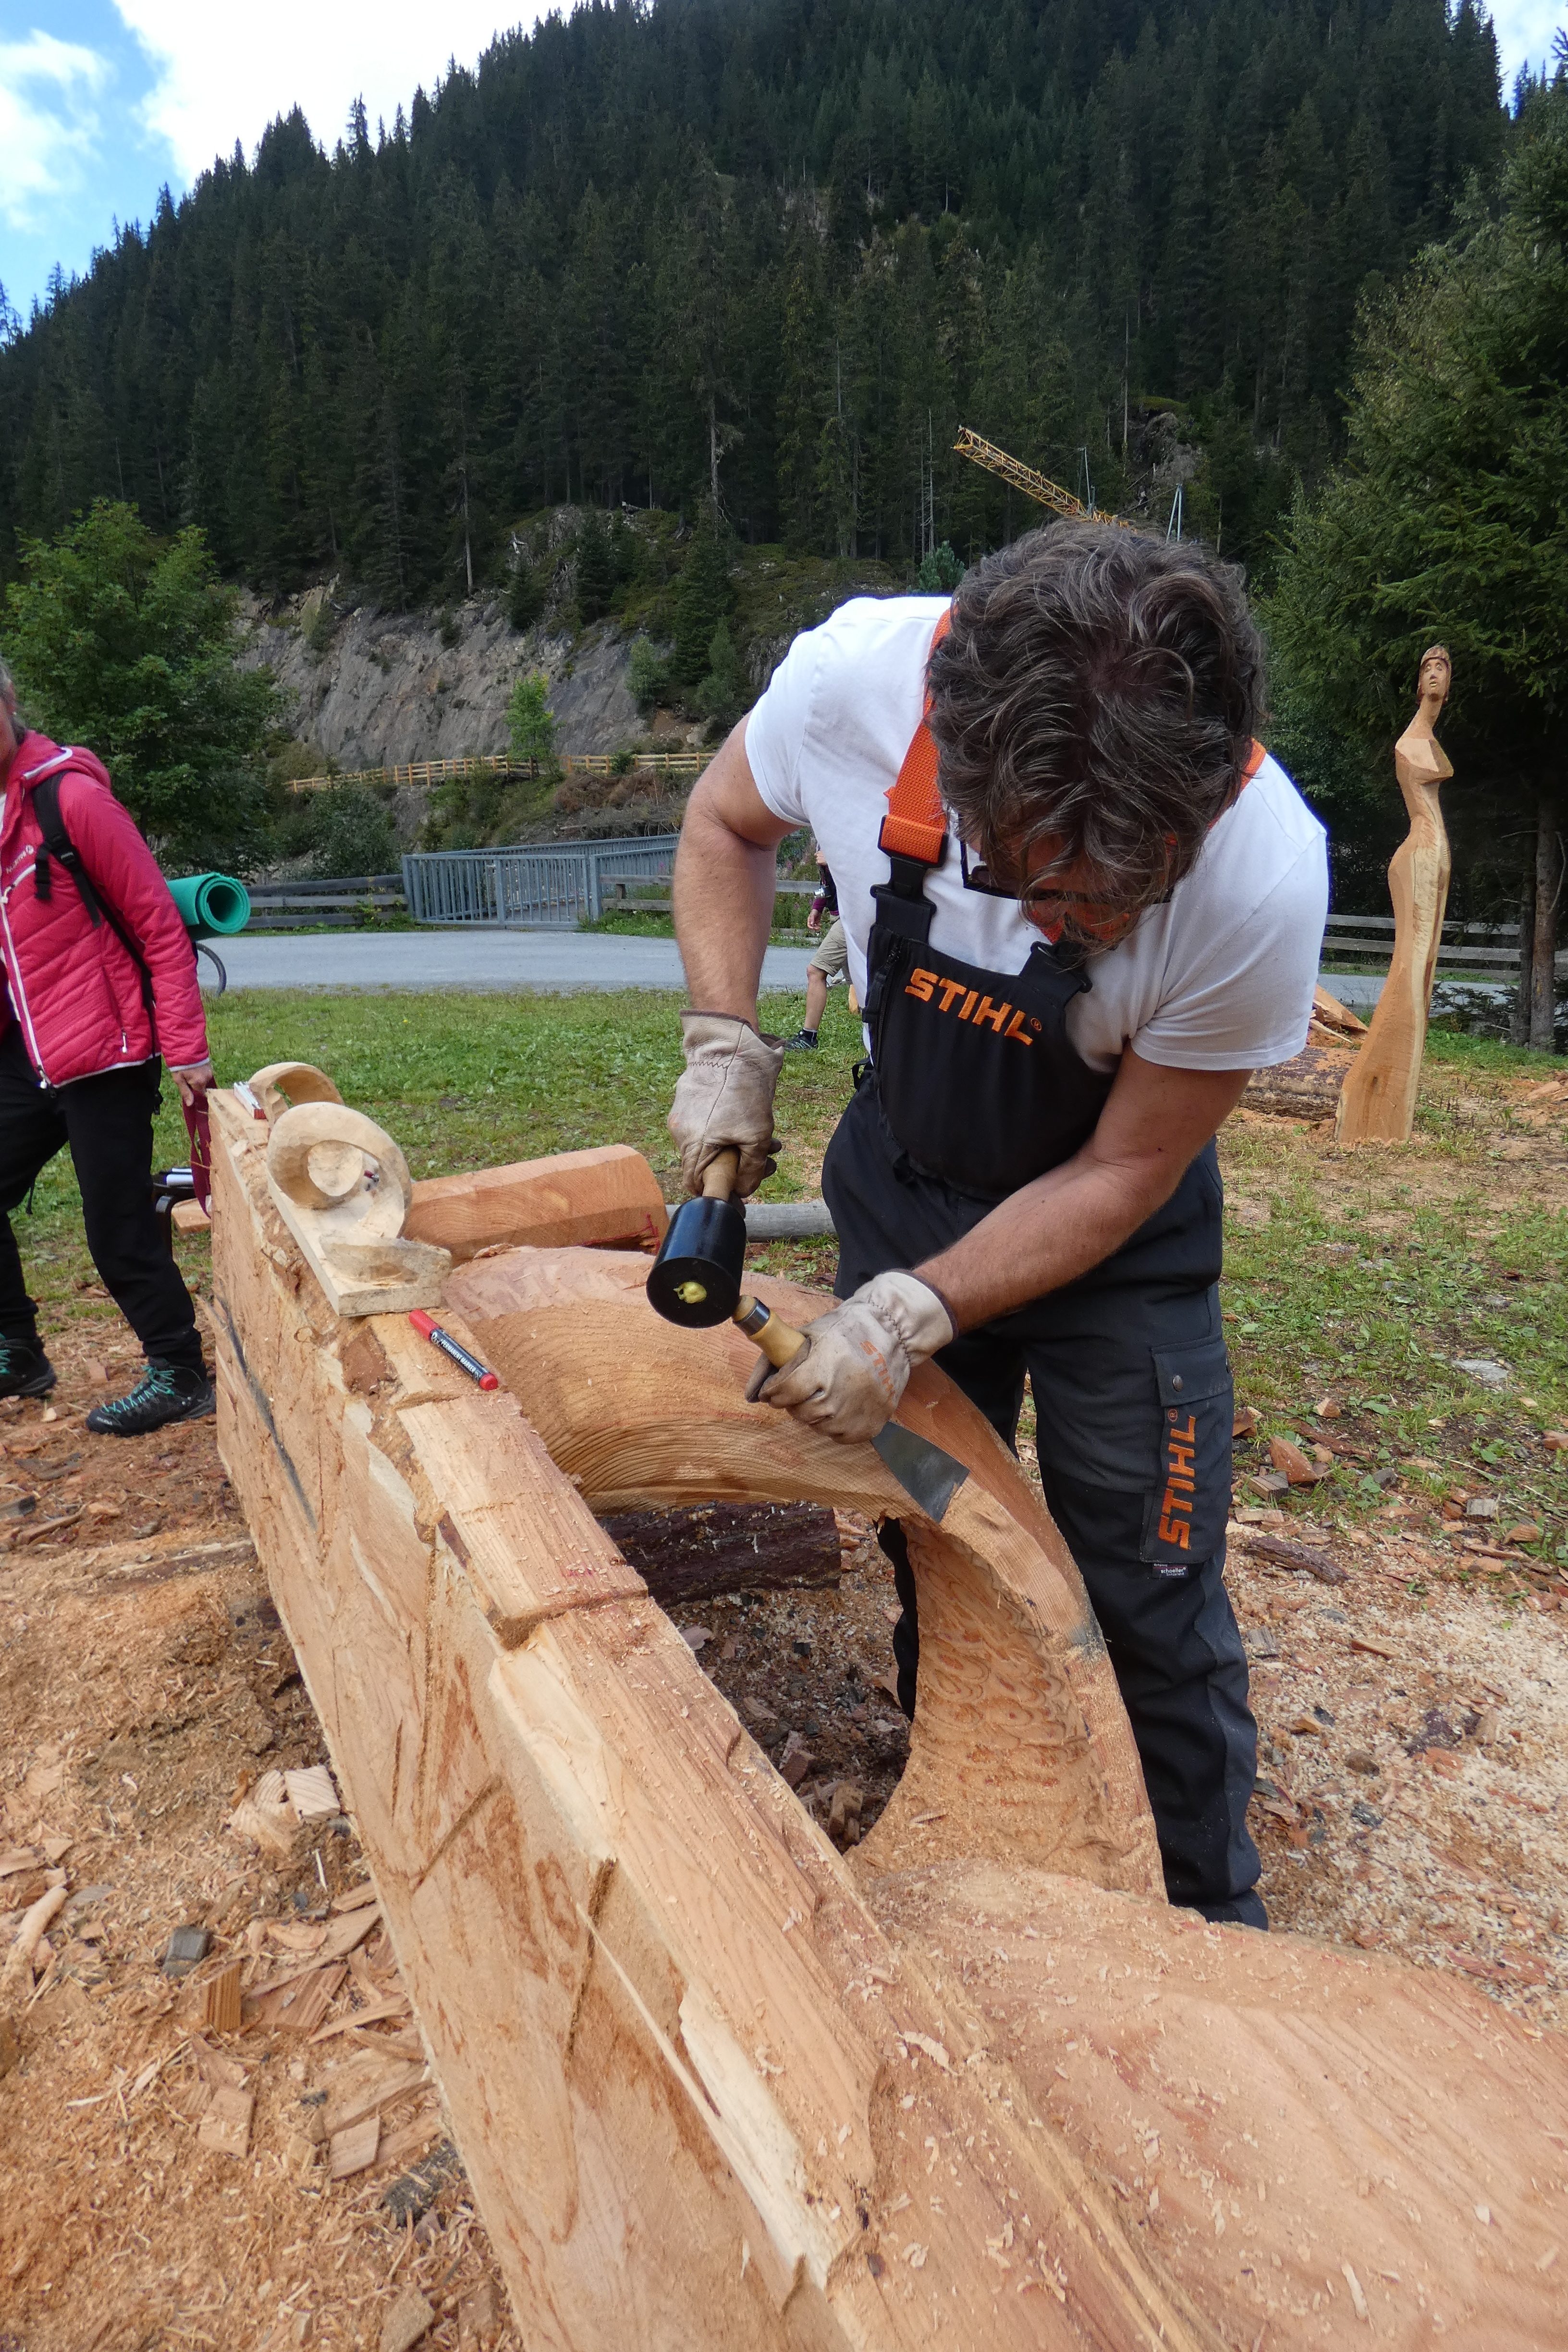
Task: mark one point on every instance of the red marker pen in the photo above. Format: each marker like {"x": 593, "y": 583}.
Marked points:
{"x": 450, "y": 1347}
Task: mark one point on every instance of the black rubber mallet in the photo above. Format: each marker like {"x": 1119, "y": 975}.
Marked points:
{"x": 696, "y": 1277}
{"x": 696, "y": 1280}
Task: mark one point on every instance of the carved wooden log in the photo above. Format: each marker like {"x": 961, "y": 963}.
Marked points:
{"x": 714, "y": 2087}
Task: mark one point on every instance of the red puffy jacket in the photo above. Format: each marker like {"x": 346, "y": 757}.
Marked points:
{"x": 74, "y": 986}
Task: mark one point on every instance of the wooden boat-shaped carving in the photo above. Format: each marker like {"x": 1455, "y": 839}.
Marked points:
{"x": 716, "y": 2085}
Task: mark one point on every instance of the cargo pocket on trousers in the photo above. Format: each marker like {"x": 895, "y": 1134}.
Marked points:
{"x": 1184, "y": 1518}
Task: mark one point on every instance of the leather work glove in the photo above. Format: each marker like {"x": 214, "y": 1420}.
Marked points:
{"x": 847, "y": 1380}
{"x": 725, "y": 1099}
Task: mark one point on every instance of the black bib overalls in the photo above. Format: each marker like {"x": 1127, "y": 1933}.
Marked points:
{"x": 975, "y": 1089}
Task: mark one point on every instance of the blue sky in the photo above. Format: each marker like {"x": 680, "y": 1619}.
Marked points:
{"x": 103, "y": 101}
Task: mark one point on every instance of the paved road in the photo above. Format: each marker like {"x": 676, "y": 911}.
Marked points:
{"x": 1362, "y": 990}
{"x": 553, "y": 962}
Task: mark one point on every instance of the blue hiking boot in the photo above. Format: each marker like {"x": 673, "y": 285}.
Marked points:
{"x": 164, "y": 1392}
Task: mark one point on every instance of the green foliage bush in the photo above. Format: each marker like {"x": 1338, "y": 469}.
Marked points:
{"x": 647, "y": 675}
{"x": 940, "y": 572}
{"x": 125, "y": 643}
{"x": 343, "y": 829}
{"x": 530, "y": 721}
{"x": 722, "y": 695}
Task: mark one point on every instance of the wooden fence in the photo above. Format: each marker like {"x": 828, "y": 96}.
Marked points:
{"x": 422, "y": 773}
{"x": 1473, "y": 952}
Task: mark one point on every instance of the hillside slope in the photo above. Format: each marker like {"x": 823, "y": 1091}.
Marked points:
{"x": 386, "y": 689}
{"x": 781, "y": 246}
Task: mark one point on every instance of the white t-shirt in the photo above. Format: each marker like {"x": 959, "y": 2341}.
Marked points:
{"x": 1219, "y": 978}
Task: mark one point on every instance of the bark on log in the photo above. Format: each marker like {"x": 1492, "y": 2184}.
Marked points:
{"x": 714, "y": 1547}
{"x": 1307, "y": 1087}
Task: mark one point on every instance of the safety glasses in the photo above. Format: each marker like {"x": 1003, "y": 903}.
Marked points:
{"x": 1050, "y": 908}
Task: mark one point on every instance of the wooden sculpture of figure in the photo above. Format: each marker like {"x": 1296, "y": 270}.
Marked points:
{"x": 1377, "y": 1104}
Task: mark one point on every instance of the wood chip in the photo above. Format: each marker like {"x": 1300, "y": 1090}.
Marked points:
{"x": 216, "y": 2071}
{"x": 365, "y": 2090}
{"x": 1373, "y": 1646}
{"x": 296, "y": 1936}
{"x": 479, "y": 2314}
{"x": 18, "y": 1967}
{"x": 1293, "y": 1462}
{"x": 410, "y": 2317}
{"x": 356, "y": 1897}
{"x": 1290, "y": 1555}
{"x": 225, "y": 2127}
{"x": 353, "y": 2149}
{"x": 313, "y": 1793}
{"x": 405, "y": 2141}
{"x": 396, "y": 2005}
{"x": 220, "y": 2000}
{"x": 302, "y": 2002}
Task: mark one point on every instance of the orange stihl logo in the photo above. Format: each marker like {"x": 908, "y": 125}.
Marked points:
{"x": 955, "y": 995}
{"x": 1176, "y": 1503}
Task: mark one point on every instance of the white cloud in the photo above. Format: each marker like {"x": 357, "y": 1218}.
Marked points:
{"x": 43, "y": 146}
{"x": 1524, "y": 30}
{"x": 225, "y": 72}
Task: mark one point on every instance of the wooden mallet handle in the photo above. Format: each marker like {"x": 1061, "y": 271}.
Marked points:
{"x": 779, "y": 1341}
{"x": 718, "y": 1176}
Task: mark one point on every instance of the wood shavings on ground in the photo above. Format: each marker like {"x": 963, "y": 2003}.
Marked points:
{"x": 165, "y": 2179}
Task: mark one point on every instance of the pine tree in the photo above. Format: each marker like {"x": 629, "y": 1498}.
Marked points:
{"x": 703, "y": 599}
{"x": 595, "y": 568}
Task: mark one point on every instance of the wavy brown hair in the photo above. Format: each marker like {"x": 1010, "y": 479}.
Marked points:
{"x": 1094, "y": 705}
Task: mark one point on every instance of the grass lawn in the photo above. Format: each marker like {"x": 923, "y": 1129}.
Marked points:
{"x": 1354, "y": 1280}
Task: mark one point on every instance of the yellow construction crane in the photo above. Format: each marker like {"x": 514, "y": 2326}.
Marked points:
{"x": 1039, "y": 487}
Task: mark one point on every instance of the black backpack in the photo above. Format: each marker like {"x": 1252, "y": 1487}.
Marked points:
{"x": 57, "y": 843}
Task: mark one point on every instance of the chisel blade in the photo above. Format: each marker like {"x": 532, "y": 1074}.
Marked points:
{"x": 928, "y": 1476}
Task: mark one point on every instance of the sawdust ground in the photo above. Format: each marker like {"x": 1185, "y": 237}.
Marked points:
{"x": 1414, "y": 1794}
{"x": 143, "y": 1684}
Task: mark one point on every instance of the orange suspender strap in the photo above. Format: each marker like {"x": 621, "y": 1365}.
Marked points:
{"x": 916, "y": 823}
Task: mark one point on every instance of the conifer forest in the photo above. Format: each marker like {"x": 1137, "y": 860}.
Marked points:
{"x": 770, "y": 254}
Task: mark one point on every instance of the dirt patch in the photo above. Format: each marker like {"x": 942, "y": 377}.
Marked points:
{"x": 145, "y": 1687}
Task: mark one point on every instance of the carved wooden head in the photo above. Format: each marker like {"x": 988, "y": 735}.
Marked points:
{"x": 1435, "y": 678}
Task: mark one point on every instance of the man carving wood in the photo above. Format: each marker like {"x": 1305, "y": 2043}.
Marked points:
{"x": 1082, "y": 904}
{"x": 1377, "y": 1103}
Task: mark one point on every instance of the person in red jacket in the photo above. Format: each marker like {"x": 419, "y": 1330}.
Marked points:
{"x": 85, "y": 1025}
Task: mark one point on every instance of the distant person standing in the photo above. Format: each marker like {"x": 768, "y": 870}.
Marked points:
{"x": 830, "y": 963}
{"x": 100, "y": 986}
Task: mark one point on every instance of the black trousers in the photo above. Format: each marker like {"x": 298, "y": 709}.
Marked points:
{"x": 1129, "y": 1377}
{"x": 107, "y": 1123}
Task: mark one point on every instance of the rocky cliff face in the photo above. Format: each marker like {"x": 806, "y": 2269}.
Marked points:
{"x": 374, "y": 689}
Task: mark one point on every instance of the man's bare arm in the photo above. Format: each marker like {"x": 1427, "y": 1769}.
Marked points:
{"x": 724, "y": 879}
{"x": 1154, "y": 1124}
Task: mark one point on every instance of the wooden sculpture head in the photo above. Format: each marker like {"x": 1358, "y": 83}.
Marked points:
{"x": 1433, "y": 681}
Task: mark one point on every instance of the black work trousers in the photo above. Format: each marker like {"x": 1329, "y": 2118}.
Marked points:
{"x": 107, "y": 1123}
{"x": 1131, "y": 1385}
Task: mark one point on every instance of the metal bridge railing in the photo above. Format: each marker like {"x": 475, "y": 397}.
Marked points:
{"x": 551, "y": 888}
